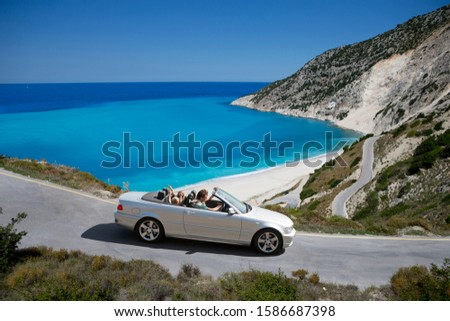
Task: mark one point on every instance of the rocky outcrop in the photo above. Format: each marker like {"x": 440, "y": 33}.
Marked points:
{"x": 372, "y": 86}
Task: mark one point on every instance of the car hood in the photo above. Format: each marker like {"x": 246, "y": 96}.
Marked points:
{"x": 271, "y": 216}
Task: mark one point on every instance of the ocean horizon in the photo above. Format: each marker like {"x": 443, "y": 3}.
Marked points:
{"x": 149, "y": 135}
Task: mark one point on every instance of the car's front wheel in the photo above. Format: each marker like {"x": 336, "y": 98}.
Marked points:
{"x": 149, "y": 230}
{"x": 268, "y": 241}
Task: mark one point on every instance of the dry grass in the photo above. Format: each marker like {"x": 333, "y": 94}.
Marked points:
{"x": 58, "y": 174}
{"x": 45, "y": 274}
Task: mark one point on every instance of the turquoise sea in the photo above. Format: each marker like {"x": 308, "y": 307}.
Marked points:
{"x": 153, "y": 134}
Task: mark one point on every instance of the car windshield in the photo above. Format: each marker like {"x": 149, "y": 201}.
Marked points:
{"x": 240, "y": 206}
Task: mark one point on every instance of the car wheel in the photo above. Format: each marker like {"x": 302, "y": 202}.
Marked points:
{"x": 268, "y": 242}
{"x": 150, "y": 230}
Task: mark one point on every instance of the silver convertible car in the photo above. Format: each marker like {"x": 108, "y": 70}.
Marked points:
{"x": 235, "y": 222}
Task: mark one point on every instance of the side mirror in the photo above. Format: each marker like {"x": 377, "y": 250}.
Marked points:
{"x": 231, "y": 211}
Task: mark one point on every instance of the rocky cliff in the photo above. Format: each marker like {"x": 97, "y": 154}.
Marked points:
{"x": 372, "y": 86}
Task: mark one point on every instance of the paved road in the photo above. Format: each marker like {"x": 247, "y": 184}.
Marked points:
{"x": 338, "y": 205}
{"x": 63, "y": 218}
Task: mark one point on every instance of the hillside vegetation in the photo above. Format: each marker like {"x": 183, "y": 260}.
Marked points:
{"x": 44, "y": 274}
{"x": 409, "y": 193}
{"x": 61, "y": 175}
{"x": 333, "y": 70}
{"x": 371, "y": 86}
{"x": 397, "y": 87}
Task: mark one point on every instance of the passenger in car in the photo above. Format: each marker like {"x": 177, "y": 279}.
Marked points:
{"x": 202, "y": 198}
{"x": 171, "y": 198}
{"x": 181, "y": 197}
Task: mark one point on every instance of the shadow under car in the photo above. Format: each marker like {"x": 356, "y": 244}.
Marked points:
{"x": 112, "y": 233}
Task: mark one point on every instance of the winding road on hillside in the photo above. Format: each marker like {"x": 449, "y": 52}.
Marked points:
{"x": 59, "y": 217}
{"x": 338, "y": 205}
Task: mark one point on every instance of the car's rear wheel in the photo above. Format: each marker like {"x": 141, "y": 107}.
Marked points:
{"x": 268, "y": 241}
{"x": 149, "y": 230}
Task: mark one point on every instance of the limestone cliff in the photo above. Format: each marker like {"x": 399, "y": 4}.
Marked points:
{"x": 372, "y": 86}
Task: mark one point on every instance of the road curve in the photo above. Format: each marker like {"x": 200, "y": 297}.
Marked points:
{"x": 63, "y": 218}
{"x": 338, "y": 205}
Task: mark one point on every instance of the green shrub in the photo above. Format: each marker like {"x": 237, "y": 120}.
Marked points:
{"x": 425, "y": 161}
{"x": 188, "y": 271}
{"x": 355, "y": 162}
{"x": 404, "y": 190}
{"x": 426, "y": 146}
{"x": 300, "y": 274}
{"x": 426, "y": 154}
{"x": 330, "y": 163}
{"x": 332, "y": 183}
{"x": 339, "y": 221}
{"x": 44, "y": 274}
{"x": 9, "y": 240}
{"x": 419, "y": 283}
{"x": 446, "y": 199}
{"x": 397, "y": 222}
{"x": 425, "y": 132}
{"x": 314, "y": 278}
{"x": 258, "y": 286}
{"x": 371, "y": 207}
{"x": 414, "y": 168}
{"x": 308, "y": 192}
{"x": 388, "y": 175}
{"x": 394, "y": 210}
{"x": 99, "y": 262}
{"x": 428, "y": 119}
{"x": 445, "y": 153}
{"x": 444, "y": 139}
{"x": 409, "y": 283}
{"x": 398, "y": 130}
{"x": 313, "y": 205}
{"x": 411, "y": 133}
{"x": 438, "y": 126}
{"x": 416, "y": 123}
{"x": 35, "y": 282}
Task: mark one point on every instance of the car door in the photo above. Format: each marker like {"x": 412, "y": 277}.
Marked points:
{"x": 212, "y": 225}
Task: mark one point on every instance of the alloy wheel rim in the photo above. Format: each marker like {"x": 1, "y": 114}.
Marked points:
{"x": 149, "y": 230}
{"x": 268, "y": 242}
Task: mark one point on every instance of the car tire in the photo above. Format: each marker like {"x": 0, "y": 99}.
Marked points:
{"x": 268, "y": 242}
{"x": 149, "y": 230}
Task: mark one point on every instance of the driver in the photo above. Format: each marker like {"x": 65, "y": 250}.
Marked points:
{"x": 202, "y": 198}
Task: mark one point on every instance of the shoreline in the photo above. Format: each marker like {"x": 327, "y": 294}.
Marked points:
{"x": 263, "y": 184}
{"x": 245, "y": 102}
{"x": 267, "y": 184}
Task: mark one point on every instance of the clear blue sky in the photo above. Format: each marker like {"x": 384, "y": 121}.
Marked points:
{"x": 183, "y": 40}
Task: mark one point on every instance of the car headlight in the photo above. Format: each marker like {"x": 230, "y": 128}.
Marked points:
{"x": 288, "y": 230}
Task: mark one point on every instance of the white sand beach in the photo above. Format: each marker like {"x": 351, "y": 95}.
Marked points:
{"x": 255, "y": 187}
